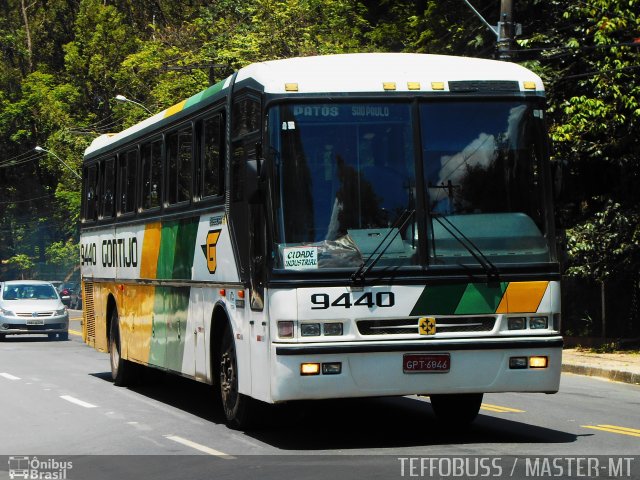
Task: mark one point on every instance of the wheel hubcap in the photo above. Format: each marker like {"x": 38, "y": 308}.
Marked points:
{"x": 228, "y": 380}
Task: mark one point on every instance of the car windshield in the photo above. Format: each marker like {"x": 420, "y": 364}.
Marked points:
{"x": 28, "y": 292}
{"x": 346, "y": 188}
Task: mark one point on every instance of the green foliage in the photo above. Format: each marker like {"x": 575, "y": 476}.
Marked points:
{"x": 63, "y": 255}
{"x": 57, "y": 90}
{"x": 606, "y": 244}
{"x": 21, "y": 263}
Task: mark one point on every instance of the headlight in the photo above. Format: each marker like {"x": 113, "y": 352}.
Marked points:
{"x": 537, "y": 323}
{"x": 7, "y": 313}
{"x": 517, "y": 323}
{"x": 310, "y": 329}
{"x": 331, "y": 329}
{"x": 62, "y": 311}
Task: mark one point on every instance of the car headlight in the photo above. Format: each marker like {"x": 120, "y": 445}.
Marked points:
{"x": 62, "y": 311}
{"x": 7, "y": 313}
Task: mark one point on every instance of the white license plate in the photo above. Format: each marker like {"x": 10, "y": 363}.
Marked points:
{"x": 35, "y": 322}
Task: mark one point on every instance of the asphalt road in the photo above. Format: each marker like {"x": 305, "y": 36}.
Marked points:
{"x": 57, "y": 399}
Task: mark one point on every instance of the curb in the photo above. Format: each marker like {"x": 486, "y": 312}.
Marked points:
{"x": 615, "y": 375}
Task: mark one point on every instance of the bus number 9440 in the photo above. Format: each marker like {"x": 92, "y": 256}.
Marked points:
{"x": 367, "y": 299}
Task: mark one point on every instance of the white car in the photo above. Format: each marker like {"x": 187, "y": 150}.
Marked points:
{"x": 32, "y": 307}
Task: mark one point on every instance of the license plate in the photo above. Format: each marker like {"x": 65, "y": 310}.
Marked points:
{"x": 35, "y": 322}
{"x": 426, "y": 363}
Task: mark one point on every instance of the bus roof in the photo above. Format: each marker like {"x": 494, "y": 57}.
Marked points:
{"x": 357, "y": 73}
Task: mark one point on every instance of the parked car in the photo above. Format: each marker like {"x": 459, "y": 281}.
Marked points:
{"x": 65, "y": 289}
{"x": 32, "y": 307}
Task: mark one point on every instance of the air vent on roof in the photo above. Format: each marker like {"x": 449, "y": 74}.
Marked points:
{"x": 484, "y": 86}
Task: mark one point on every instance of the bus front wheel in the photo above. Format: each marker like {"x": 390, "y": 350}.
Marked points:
{"x": 238, "y": 408}
{"x": 457, "y": 409}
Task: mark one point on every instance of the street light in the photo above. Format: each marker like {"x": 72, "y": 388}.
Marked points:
{"x": 39, "y": 149}
{"x": 123, "y": 99}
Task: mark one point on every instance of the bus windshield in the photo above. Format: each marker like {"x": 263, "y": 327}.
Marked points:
{"x": 346, "y": 183}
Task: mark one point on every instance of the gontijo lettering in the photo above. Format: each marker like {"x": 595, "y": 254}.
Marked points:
{"x": 120, "y": 252}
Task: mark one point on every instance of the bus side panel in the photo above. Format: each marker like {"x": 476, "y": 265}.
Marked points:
{"x": 140, "y": 300}
{"x": 214, "y": 259}
{"x": 100, "y": 295}
{"x": 176, "y": 305}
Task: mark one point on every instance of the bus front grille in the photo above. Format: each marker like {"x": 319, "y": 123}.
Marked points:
{"x": 408, "y": 326}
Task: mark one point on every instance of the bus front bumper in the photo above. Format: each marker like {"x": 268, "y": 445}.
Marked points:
{"x": 379, "y": 369}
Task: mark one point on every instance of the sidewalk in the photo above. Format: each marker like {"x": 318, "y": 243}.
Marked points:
{"x": 621, "y": 367}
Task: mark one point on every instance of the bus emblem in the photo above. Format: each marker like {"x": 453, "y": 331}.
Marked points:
{"x": 209, "y": 249}
{"x": 427, "y": 326}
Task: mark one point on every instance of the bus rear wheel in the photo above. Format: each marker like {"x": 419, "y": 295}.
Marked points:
{"x": 238, "y": 409}
{"x": 457, "y": 410}
{"x": 121, "y": 369}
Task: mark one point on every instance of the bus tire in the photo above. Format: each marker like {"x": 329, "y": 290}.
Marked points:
{"x": 238, "y": 408}
{"x": 121, "y": 369}
{"x": 457, "y": 410}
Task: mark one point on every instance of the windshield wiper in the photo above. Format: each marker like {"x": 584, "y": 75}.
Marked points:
{"x": 467, "y": 243}
{"x": 360, "y": 274}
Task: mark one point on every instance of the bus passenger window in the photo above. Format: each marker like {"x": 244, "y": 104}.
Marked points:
{"x": 90, "y": 193}
{"x": 212, "y": 164}
{"x": 108, "y": 189}
{"x": 179, "y": 146}
{"x": 246, "y": 116}
{"x": 151, "y": 174}
{"x": 126, "y": 181}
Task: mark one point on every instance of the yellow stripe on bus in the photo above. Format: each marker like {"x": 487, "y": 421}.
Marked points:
{"x": 150, "y": 250}
{"x": 174, "y": 109}
{"x": 522, "y": 297}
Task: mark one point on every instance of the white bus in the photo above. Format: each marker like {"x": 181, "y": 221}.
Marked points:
{"x": 329, "y": 227}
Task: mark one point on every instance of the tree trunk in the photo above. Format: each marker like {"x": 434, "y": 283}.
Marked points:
{"x": 28, "y": 33}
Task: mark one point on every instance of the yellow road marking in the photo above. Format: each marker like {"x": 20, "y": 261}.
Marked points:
{"x": 75, "y": 332}
{"x": 615, "y": 429}
{"x": 499, "y": 408}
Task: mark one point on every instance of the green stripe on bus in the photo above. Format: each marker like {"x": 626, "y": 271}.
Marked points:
{"x": 158, "y": 349}
{"x": 177, "y": 246}
{"x": 185, "y": 247}
{"x": 199, "y": 97}
{"x": 171, "y": 305}
{"x": 167, "y": 250}
{"x": 480, "y": 298}
{"x": 464, "y": 299}
{"x": 439, "y": 300}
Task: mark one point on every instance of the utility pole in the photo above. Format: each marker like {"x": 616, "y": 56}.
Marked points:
{"x": 506, "y": 31}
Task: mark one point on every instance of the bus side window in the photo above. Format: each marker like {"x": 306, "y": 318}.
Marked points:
{"x": 90, "y": 193}
{"x": 179, "y": 154}
{"x": 245, "y": 133}
{"x": 151, "y": 165}
{"x": 127, "y": 181}
{"x": 212, "y": 163}
{"x": 108, "y": 189}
